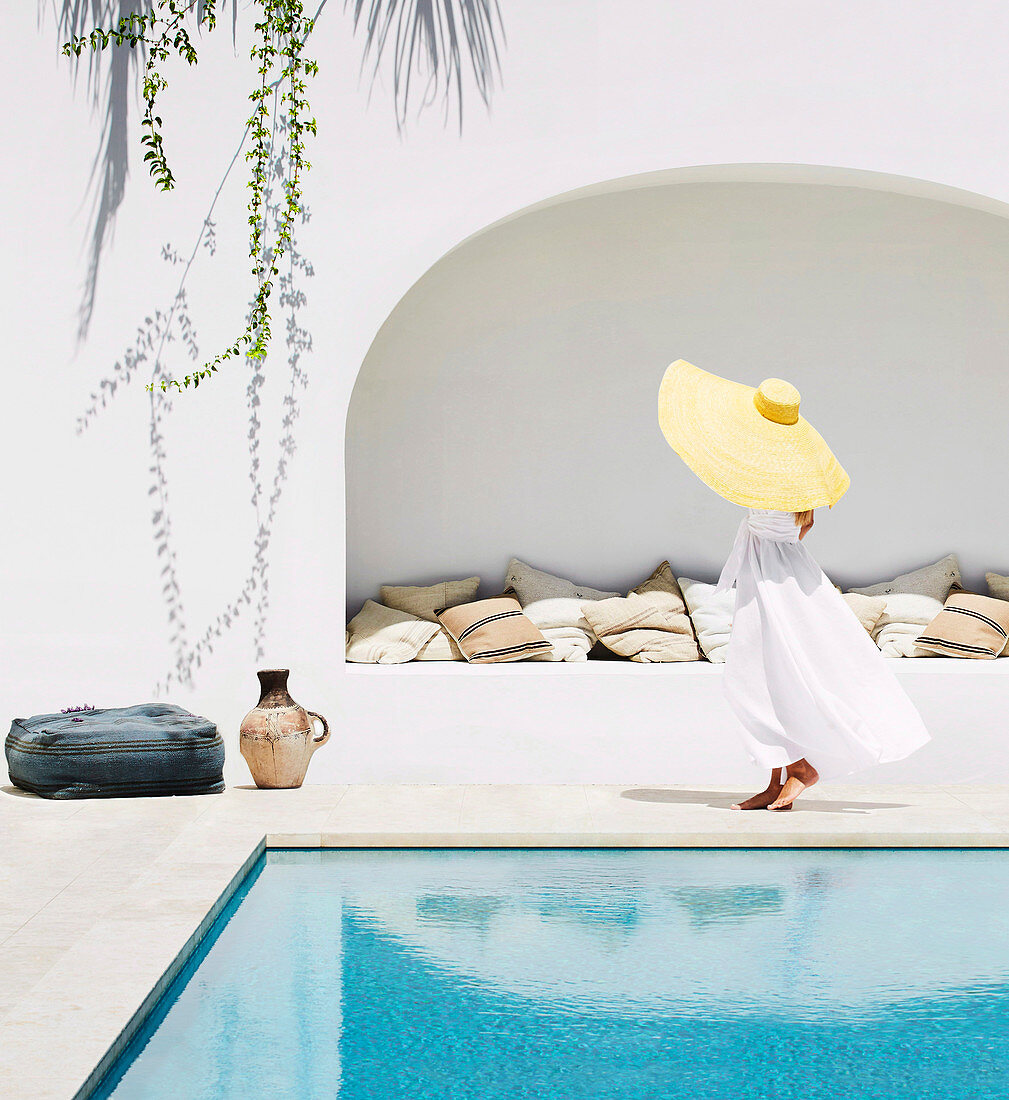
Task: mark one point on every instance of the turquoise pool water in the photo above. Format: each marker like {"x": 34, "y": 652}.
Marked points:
{"x": 589, "y": 975}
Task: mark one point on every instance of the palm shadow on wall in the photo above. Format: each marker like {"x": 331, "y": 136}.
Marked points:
{"x": 433, "y": 49}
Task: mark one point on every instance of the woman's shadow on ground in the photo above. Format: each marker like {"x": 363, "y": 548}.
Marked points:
{"x": 723, "y": 801}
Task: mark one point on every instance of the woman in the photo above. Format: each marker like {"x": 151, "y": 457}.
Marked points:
{"x": 812, "y": 692}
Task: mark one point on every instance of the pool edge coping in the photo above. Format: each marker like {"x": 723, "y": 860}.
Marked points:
{"x": 997, "y": 839}
{"x": 139, "y": 1016}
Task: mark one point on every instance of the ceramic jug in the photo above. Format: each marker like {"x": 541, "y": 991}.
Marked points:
{"x": 277, "y": 736}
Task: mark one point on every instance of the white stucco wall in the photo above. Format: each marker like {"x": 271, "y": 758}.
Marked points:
{"x": 591, "y": 92}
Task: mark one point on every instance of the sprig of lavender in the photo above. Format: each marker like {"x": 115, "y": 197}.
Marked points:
{"x": 76, "y": 710}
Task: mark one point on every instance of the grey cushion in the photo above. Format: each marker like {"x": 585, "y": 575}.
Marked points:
{"x": 931, "y": 580}
{"x": 998, "y": 586}
{"x": 533, "y": 584}
{"x": 150, "y": 749}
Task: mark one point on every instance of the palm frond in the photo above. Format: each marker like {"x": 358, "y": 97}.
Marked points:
{"x": 433, "y": 41}
{"x": 109, "y": 77}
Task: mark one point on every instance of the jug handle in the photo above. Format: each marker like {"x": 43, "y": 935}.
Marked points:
{"x": 323, "y": 737}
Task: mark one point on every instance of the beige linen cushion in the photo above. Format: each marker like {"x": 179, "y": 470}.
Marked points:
{"x": 998, "y": 586}
{"x": 384, "y": 636}
{"x": 968, "y": 626}
{"x": 650, "y": 624}
{"x": 493, "y": 631}
{"x": 564, "y": 625}
{"x": 934, "y": 580}
{"x": 531, "y": 585}
{"x": 711, "y": 616}
{"x": 423, "y": 600}
{"x": 868, "y": 609}
{"x": 441, "y": 647}
{"x": 903, "y": 618}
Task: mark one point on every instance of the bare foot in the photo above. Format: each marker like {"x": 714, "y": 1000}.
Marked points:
{"x": 763, "y": 800}
{"x": 800, "y": 775}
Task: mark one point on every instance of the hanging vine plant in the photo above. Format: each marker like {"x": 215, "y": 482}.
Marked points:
{"x": 427, "y": 38}
{"x": 282, "y": 32}
{"x": 431, "y": 46}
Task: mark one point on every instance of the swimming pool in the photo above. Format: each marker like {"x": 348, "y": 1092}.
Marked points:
{"x": 592, "y": 974}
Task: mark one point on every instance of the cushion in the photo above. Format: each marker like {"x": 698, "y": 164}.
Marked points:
{"x": 150, "y": 749}
{"x": 650, "y": 624}
{"x": 567, "y": 643}
{"x": 599, "y": 652}
{"x": 998, "y": 586}
{"x": 493, "y": 631}
{"x": 711, "y": 616}
{"x": 903, "y": 618}
{"x": 422, "y": 600}
{"x": 531, "y": 585}
{"x": 968, "y": 626}
{"x": 868, "y": 609}
{"x": 562, "y": 623}
{"x": 441, "y": 647}
{"x": 384, "y": 636}
{"x": 931, "y": 580}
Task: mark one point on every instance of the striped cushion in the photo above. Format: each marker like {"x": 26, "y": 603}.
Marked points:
{"x": 151, "y": 749}
{"x": 493, "y": 631}
{"x": 968, "y": 626}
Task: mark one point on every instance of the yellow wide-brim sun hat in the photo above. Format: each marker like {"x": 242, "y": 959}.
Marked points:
{"x": 748, "y": 444}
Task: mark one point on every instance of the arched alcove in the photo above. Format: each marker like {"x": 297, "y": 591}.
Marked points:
{"x": 507, "y": 405}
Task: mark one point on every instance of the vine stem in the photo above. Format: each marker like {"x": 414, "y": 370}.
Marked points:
{"x": 203, "y": 228}
{"x": 210, "y": 209}
{"x": 284, "y": 22}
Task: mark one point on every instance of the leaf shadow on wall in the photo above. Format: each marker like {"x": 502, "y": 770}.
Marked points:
{"x": 427, "y": 42}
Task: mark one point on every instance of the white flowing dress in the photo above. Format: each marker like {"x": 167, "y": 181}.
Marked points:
{"x": 802, "y": 674}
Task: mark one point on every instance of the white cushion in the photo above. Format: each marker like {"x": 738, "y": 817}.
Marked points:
{"x": 563, "y": 624}
{"x": 905, "y": 615}
{"x": 569, "y": 644}
{"x": 711, "y": 616}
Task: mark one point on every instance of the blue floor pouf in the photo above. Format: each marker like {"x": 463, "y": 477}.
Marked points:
{"x": 150, "y": 749}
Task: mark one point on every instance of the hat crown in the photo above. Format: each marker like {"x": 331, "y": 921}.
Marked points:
{"x": 777, "y": 400}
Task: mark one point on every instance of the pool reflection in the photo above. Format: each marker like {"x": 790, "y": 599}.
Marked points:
{"x": 686, "y": 930}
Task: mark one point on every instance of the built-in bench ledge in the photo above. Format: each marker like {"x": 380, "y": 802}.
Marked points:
{"x": 901, "y": 665}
